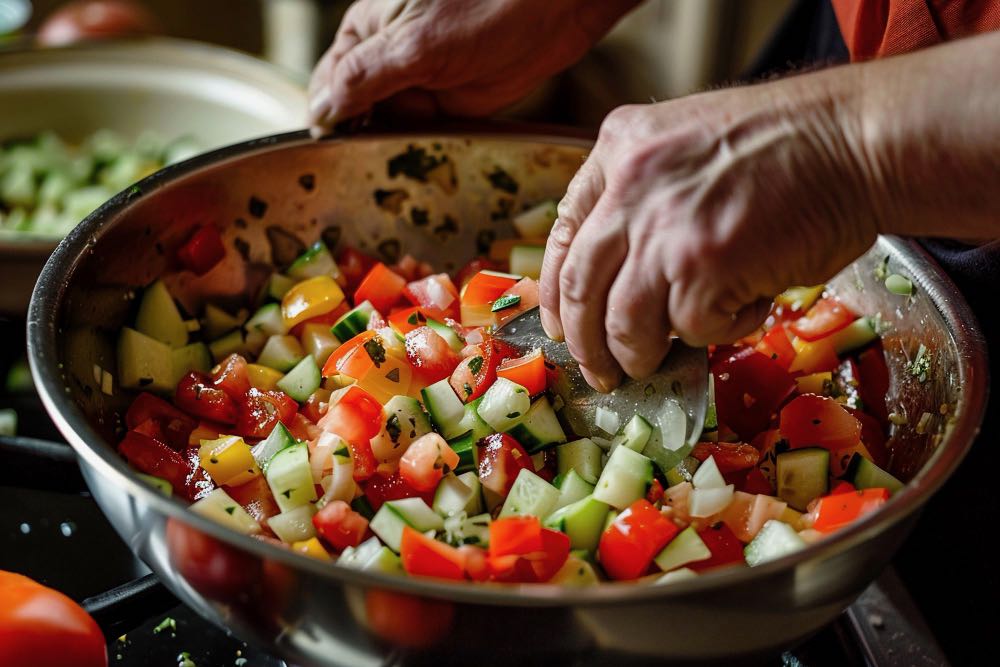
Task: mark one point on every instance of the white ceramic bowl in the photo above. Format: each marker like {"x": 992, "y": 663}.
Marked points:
{"x": 170, "y": 87}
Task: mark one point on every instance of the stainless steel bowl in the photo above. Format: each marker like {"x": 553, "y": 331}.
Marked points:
{"x": 272, "y": 196}
{"x": 168, "y": 86}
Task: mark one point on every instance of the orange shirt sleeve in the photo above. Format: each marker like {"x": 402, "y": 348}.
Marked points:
{"x": 876, "y": 28}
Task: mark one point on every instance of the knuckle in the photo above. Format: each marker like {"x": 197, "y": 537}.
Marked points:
{"x": 572, "y": 285}
{"x": 618, "y": 122}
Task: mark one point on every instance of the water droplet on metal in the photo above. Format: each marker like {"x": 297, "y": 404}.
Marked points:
{"x": 67, "y": 528}
{"x": 25, "y": 528}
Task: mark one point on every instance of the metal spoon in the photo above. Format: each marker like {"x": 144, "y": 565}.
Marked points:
{"x": 678, "y": 390}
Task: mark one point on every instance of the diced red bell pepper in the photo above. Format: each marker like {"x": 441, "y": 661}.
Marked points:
{"x": 474, "y": 266}
{"x": 633, "y": 539}
{"x": 776, "y": 345}
{"x": 425, "y": 556}
{"x": 841, "y": 487}
{"x": 816, "y": 421}
{"x": 521, "y": 550}
{"x": 726, "y": 548}
{"x": 486, "y": 287}
{"x": 383, "y": 287}
{"x": 202, "y": 251}
{"x": 405, "y": 320}
{"x": 528, "y": 371}
{"x": 837, "y": 511}
{"x": 827, "y": 316}
{"x": 354, "y": 266}
{"x": 336, "y": 360}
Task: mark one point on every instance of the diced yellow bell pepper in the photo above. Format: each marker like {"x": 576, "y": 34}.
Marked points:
{"x": 263, "y": 377}
{"x": 311, "y": 547}
{"x": 799, "y": 298}
{"x": 200, "y": 433}
{"x": 814, "y": 357}
{"x": 310, "y": 298}
{"x": 815, "y": 383}
{"x": 228, "y": 460}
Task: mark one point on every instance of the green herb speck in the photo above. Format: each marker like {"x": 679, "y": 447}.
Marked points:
{"x": 504, "y": 302}
{"x": 475, "y": 365}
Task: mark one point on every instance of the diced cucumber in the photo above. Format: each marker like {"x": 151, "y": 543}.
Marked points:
{"x": 582, "y": 521}
{"x": 635, "y": 435}
{"x": 218, "y": 322}
{"x": 405, "y": 420}
{"x": 358, "y": 556}
{"x": 445, "y": 408}
{"x": 384, "y": 561}
{"x": 610, "y": 519}
{"x": 864, "y": 474}
{"x": 530, "y": 494}
{"x": 572, "y": 488}
{"x": 316, "y": 261}
{"x": 575, "y": 572}
{"x": 158, "y": 483}
{"x": 581, "y": 455}
{"x": 775, "y": 540}
{"x": 475, "y": 504}
{"x": 301, "y": 381}
{"x": 465, "y": 446}
{"x": 799, "y": 298}
{"x": 682, "y": 472}
{"x": 278, "y": 440}
{"x": 318, "y": 342}
{"x": 706, "y": 502}
{"x": 503, "y": 404}
{"x": 278, "y": 285}
{"x": 454, "y": 341}
{"x": 686, "y": 548}
{"x": 363, "y": 507}
{"x": 539, "y": 427}
{"x": 221, "y": 508}
{"x": 390, "y": 519}
{"x": 537, "y": 221}
{"x": 353, "y": 322}
{"x": 452, "y": 496}
{"x": 526, "y": 260}
{"x": 707, "y": 476}
{"x": 471, "y": 421}
{"x": 267, "y": 321}
{"x": 857, "y": 334}
{"x": 802, "y": 474}
{"x": 294, "y": 525}
{"x": 625, "y": 478}
{"x": 290, "y": 477}
{"x": 281, "y": 353}
{"x": 159, "y": 318}
{"x": 193, "y": 357}
{"x": 711, "y": 413}
{"x": 144, "y": 362}
{"x": 461, "y": 529}
{"x": 232, "y": 343}
{"x": 676, "y": 575}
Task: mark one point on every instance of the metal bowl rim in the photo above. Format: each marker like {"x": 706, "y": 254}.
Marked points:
{"x": 43, "y": 354}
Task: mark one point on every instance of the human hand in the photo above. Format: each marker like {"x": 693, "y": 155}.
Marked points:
{"x": 690, "y": 215}
{"x": 458, "y": 57}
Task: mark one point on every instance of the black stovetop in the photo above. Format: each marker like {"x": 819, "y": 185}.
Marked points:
{"x": 52, "y": 530}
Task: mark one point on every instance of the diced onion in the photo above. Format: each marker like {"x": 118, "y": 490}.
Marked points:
{"x": 607, "y": 420}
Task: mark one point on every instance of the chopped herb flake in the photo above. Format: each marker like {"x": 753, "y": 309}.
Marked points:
{"x": 166, "y": 624}
{"x": 412, "y": 319}
{"x": 468, "y": 389}
{"x": 393, "y": 375}
{"x": 287, "y": 493}
{"x": 343, "y": 451}
{"x": 230, "y": 510}
{"x": 375, "y": 350}
{"x": 513, "y": 415}
{"x": 504, "y": 302}
{"x": 475, "y": 365}
{"x": 392, "y": 427}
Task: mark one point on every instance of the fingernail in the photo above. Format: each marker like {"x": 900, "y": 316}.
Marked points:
{"x": 551, "y": 326}
{"x": 601, "y": 383}
{"x": 319, "y": 99}
{"x": 317, "y": 132}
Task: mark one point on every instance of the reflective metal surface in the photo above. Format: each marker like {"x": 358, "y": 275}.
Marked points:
{"x": 390, "y": 194}
{"x": 680, "y": 383}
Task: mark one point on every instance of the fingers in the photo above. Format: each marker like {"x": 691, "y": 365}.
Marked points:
{"x": 586, "y": 276}
{"x": 580, "y": 198}
{"x": 701, "y": 318}
{"x": 637, "y": 324}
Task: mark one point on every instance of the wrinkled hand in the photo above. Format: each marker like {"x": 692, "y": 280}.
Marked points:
{"x": 691, "y": 215}
{"x": 458, "y": 57}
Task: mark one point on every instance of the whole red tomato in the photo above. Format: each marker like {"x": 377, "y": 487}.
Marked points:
{"x": 41, "y": 627}
{"x": 95, "y": 19}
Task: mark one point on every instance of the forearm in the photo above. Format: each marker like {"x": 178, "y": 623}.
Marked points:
{"x": 930, "y": 132}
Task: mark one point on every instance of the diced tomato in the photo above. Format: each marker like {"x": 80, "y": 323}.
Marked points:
{"x": 816, "y": 421}
{"x": 777, "y": 345}
{"x": 633, "y": 539}
{"x": 756, "y": 482}
{"x": 408, "y": 620}
{"x": 256, "y": 498}
{"x": 526, "y": 290}
{"x": 729, "y": 456}
{"x": 841, "y": 487}
{"x": 383, "y": 287}
{"x": 336, "y": 360}
{"x": 312, "y": 407}
{"x": 196, "y": 395}
{"x": 260, "y": 411}
{"x": 817, "y": 356}
{"x": 380, "y": 488}
{"x": 873, "y": 382}
{"x": 301, "y": 428}
{"x": 155, "y": 458}
{"x": 474, "y": 375}
{"x": 426, "y": 461}
{"x": 749, "y": 387}
{"x": 553, "y": 555}
{"x": 486, "y": 287}
{"x": 464, "y": 274}
{"x": 405, "y": 320}
{"x": 436, "y": 292}
{"x": 427, "y": 557}
{"x": 872, "y": 436}
{"x": 328, "y": 318}
{"x": 837, "y": 511}
{"x": 354, "y": 266}
{"x": 430, "y": 355}
{"x": 202, "y": 251}
{"x": 339, "y": 525}
{"x": 501, "y": 458}
{"x": 231, "y": 376}
{"x": 476, "y": 562}
{"x": 411, "y": 269}
{"x": 175, "y": 427}
{"x": 725, "y": 547}
{"x": 827, "y": 316}
{"x": 528, "y": 371}
{"x": 357, "y": 418}
{"x": 521, "y": 550}
{"x": 655, "y": 492}
{"x": 515, "y": 535}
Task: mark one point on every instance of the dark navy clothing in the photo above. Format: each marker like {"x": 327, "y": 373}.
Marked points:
{"x": 949, "y": 564}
